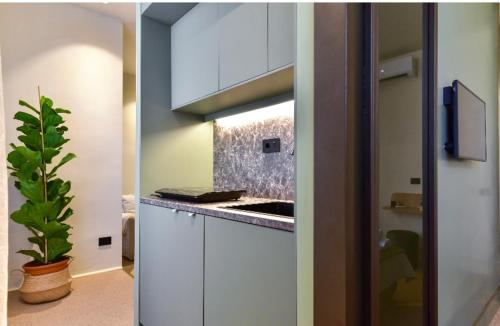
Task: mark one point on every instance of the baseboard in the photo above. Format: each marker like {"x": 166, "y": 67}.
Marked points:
{"x": 489, "y": 310}
{"x": 81, "y": 275}
{"x": 14, "y": 288}
{"x": 97, "y": 272}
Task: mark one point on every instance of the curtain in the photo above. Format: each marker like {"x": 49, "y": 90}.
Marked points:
{"x": 3, "y": 212}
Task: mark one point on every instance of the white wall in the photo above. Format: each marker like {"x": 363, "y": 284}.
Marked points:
{"x": 467, "y": 190}
{"x": 129, "y": 105}
{"x": 75, "y": 56}
{"x": 4, "y": 254}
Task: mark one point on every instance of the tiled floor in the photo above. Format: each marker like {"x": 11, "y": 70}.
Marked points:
{"x": 105, "y": 299}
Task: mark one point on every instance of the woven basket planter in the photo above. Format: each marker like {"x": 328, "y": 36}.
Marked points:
{"x": 44, "y": 283}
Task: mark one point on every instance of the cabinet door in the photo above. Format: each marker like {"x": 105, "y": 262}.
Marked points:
{"x": 243, "y": 42}
{"x": 171, "y": 267}
{"x": 250, "y": 277}
{"x": 281, "y": 34}
{"x": 194, "y": 61}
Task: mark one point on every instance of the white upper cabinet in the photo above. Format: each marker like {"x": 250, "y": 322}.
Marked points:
{"x": 217, "y": 46}
{"x": 242, "y": 43}
{"x": 281, "y": 34}
{"x": 195, "y": 54}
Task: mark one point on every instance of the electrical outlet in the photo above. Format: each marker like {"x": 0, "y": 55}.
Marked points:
{"x": 271, "y": 145}
{"x": 415, "y": 181}
{"x": 104, "y": 241}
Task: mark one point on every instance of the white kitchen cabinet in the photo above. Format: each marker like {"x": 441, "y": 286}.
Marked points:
{"x": 171, "y": 267}
{"x": 250, "y": 277}
{"x": 195, "y": 54}
{"x": 242, "y": 43}
{"x": 281, "y": 33}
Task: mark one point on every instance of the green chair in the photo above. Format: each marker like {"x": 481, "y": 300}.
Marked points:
{"x": 408, "y": 241}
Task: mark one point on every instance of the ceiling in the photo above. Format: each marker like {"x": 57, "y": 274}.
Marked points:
{"x": 125, "y": 12}
{"x": 400, "y": 29}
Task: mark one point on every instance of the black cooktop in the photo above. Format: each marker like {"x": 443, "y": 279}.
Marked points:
{"x": 200, "y": 194}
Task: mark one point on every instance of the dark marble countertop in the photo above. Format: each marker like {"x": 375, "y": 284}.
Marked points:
{"x": 219, "y": 210}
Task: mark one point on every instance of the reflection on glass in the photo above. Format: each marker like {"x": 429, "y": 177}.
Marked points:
{"x": 400, "y": 164}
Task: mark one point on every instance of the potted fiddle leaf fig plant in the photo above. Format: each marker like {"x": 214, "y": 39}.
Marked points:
{"x": 34, "y": 165}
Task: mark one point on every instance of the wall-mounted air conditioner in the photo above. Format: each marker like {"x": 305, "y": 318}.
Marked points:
{"x": 397, "y": 67}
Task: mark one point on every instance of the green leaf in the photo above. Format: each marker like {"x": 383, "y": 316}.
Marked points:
{"x": 27, "y": 118}
{"x": 27, "y": 129}
{"x": 52, "y": 120}
{"x": 28, "y": 216}
{"x": 32, "y": 253}
{"x": 33, "y": 190}
{"x": 46, "y": 104}
{"x": 32, "y": 141}
{"x": 21, "y": 217}
{"x": 44, "y": 210}
{"x": 29, "y": 106}
{"x": 38, "y": 241}
{"x": 66, "y": 215}
{"x": 54, "y": 140}
{"x": 55, "y": 229}
{"x": 22, "y": 155}
{"x": 68, "y": 157}
{"x": 53, "y": 188}
{"x": 57, "y": 247}
{"x": 25, "y": 162}
{"x": 62, "y": 202}
{"x": 64, "y": 188}
{"x": 49, "y": 154}
{"x": 60, "y": 110}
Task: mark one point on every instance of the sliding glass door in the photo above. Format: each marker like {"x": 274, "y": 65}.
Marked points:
{"x": 400, "y": 186}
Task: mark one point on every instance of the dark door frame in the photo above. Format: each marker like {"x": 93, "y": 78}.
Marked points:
{"x": 337, "y": 181}
{"x": 429, "y": 164}
{"x": 370, "y": 168}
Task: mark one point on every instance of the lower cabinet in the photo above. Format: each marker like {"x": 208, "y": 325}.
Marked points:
{"x": 250, "y": 277}
{"x": 171, "y": 267}
{"x": 199, "y": 270}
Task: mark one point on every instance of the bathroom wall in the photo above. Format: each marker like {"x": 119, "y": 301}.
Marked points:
{"x": 75, "y": 56}
{"x": 400, "y": 144}
{"x": 239, "y": 162}
{"x": 468, "y": 251}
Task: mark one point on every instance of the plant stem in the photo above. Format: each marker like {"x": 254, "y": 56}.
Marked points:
{"x": 44, "y": 173}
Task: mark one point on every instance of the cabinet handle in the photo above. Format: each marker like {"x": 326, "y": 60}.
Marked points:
{"x": 191, "y": 214}
{"x": 174, "y": 210}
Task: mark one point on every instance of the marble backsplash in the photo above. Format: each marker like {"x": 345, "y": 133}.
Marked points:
{"x": 240, "y": 163}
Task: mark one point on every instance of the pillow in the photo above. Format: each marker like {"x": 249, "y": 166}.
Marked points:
{"x": 128, "y": 203}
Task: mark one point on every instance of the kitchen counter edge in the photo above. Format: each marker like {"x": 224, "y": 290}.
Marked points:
{"x": 218, "y": 210}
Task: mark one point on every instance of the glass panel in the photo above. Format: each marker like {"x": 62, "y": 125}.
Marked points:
{"x": 400, "y": 164}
